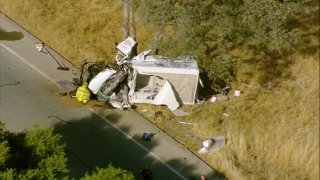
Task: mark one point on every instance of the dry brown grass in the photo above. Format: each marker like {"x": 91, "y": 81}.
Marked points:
{"x": 82, "y": 29}
{"x": 271, "y": 134}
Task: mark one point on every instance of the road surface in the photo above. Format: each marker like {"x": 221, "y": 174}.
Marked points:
{"x": 95, "y": 136}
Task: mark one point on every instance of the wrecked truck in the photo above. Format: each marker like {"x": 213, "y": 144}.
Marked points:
{"x": 144, "y": 78}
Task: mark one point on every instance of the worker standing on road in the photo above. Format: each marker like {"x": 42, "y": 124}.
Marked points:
{"x": 146, "y": 173}
{"x": 83, "y": 94}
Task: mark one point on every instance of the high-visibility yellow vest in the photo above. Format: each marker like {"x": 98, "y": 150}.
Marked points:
{"x": 83, "y": 94}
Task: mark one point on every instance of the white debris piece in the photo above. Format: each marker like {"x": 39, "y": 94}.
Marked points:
{"x": 39, "y": 47}
{"x": 211, "y": 145}
{"x": 166, "y": 97}
{"x": 207, "y": 143}
{"x": 237, "y": 92}
{"x": 96, "y": 83}
{"x": 126, "y": 46}
{"x": 226, "y": 114}
{"x": 141, "y": 56}
{"x": 182, "y": 122}
{"x": 213, "y": 99}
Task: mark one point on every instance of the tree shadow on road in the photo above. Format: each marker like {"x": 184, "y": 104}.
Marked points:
{"x": 10, "y": 36}
{"x": 93, "y": 142}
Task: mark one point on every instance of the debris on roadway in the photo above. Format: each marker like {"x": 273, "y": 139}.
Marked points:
{"x": 144, "y": 78}
{"x": 147, "y": 136}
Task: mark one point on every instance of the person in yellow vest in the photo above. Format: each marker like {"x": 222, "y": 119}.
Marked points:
{"x": 83, "y": 94}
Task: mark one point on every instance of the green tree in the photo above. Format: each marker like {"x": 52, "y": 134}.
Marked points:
{"x": 211, "y": 29}
{"x": 109, "y": 173}
{"x": 39, "y": 154}
{"x": 35, "y": 154}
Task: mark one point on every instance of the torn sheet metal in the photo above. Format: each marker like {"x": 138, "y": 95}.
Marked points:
{"x": 148, "y": 79}
{"x": 96, "y": 83}
{"x": 182, "y": 73}
{"x": 152, "y": 89}
{"x": 166, "y": 97}
{"x": 126, "y": 46}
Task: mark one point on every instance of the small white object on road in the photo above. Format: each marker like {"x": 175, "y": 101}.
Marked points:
{"x": 39, "y": 47}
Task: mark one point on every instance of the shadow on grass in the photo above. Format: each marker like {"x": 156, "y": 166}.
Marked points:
{"x": 10, "y": 36}
{"x": 93, "y": 142}
{"x": 273, "y": 68}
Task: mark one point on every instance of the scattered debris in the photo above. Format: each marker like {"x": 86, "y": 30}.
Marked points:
{"x": 147, "y": 136}
{"x": 211, "y": 145}
{"x": 40, "y": 47}
{"x": 142, "y": 79}
{"x": 224, "y": 91}
{"x": 213, "y": 98}
{"x": 226, "y": 114}
{"x": 237, "y": 92}
{"x": 199, "y": 101}
{"x": 201, "y": 83}
{"x": 182, "y": 122}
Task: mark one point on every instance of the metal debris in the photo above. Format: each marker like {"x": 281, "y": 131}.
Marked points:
{"x": 211, "y": 145}
{"x": 142, "y": 79}
{"x": 182, "y": 122}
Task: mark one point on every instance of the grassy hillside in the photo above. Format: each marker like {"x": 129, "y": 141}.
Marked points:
{"x": 271, "y": 134}
{"x": 78, "y": 30}
{"x": 273, "y": 128}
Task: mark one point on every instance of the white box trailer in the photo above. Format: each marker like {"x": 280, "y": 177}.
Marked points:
{"x": 152, "y": 73}
{"x": 155, "y": 79}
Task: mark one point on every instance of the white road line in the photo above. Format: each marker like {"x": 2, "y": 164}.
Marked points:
{"x": 140, "y": 145}
{"x": 29, "y": 64}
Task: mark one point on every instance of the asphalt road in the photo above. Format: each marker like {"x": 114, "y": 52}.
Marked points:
{"x": 95, "y": 136}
